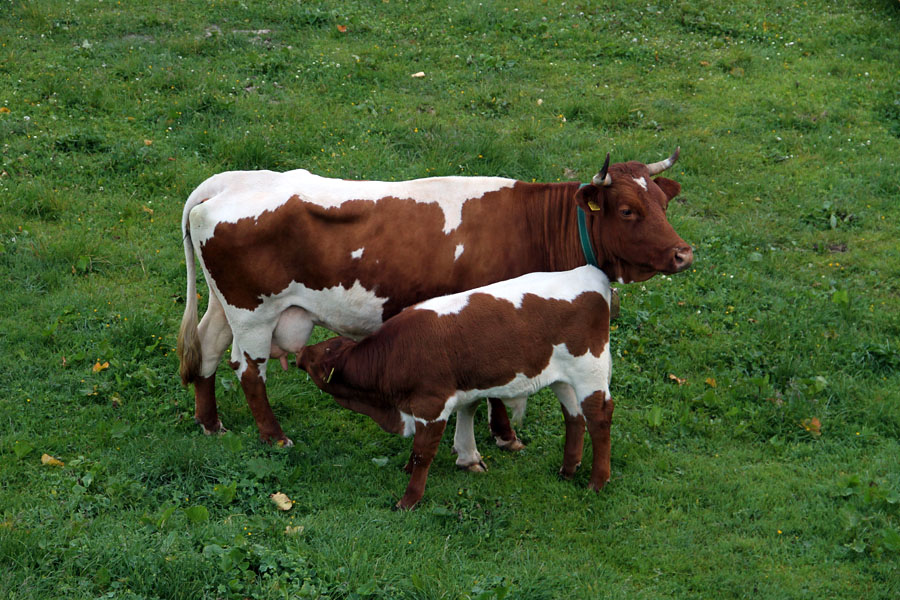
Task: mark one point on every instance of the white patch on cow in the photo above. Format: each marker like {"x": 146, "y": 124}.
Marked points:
{"x": 236, "y": 195}
{"x": 354, "y": 312}
{"x": 641, "y": 182}
{"x": 564, "y": 285}
{"x": 357, "y": 253}
{"x": 458, "y": 253}
{"x": 409, "y": 424}
{"x": 586, "y": 374}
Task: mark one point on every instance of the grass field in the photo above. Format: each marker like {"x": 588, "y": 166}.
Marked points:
{"x": 756, "y": 442}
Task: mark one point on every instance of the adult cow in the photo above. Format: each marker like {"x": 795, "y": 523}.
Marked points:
{"x": 282, "y": 252}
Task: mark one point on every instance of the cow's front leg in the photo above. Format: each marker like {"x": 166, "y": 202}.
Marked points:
{"x": 468, "y": 458}
{"x": 502, "y": 430}
{"x": 215, "y": 335}
{"x": 425, "y": 445}
{"x": 598, "y": 411}
{"x": 252, "y": 373}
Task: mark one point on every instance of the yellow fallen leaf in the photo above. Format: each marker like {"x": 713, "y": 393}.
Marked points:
{"x": 46, "y": 459}
{"x": 677, "y": 379}
{"x": 711, "y": 382}
{"x": 99, "y": 367}
{"x": 282, "y": 501}
{"x": 418, "y": 75}
{"x": 813, "y": 426}
{"x": 4, "y": 110}
{"x": 148, "y": 142}
{"x": 293, "y": 530}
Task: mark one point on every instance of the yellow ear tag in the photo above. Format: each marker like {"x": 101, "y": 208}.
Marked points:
{"x": 593, "y": 206}
{"x": 328, "y": 379}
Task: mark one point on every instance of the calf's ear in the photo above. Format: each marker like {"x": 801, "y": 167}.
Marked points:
{"x": 591, "y": 199}
{"x": 669, "y": 187}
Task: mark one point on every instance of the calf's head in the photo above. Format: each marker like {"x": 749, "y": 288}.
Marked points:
{"x": 320, "y": 361}
{"x": 626, "y": 215}
{"x": 328, "y": 367}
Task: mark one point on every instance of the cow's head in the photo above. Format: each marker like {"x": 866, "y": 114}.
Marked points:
{"x": 626, "y": 215}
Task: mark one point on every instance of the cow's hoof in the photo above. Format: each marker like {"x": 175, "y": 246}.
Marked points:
{"x": 284, "y": 442}
{"x": 216, "y": 429}
{"x": 475, "y": 467}
{"x": 513, "y": 445}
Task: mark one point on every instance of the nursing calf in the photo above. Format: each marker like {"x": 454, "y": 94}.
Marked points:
{"x": 504, "y": 340}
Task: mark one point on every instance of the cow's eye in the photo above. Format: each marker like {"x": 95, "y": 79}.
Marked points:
{"x": 626, "y": 212}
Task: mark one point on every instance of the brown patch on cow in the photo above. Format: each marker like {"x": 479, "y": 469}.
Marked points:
{"x": 408, "y": 258}
{"x": 418, "y": 359}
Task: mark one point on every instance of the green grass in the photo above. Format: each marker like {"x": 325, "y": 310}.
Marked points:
{"x": 788, "y": 116}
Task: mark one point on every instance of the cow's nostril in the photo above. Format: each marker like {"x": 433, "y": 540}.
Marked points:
{"x": 684, "y": 257}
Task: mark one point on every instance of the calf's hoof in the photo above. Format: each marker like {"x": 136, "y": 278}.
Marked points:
{"x": 596, "y": 487}
{"x": 475, "y": 467}
{"x": 215, "y": 429}
{"x": 567, "y": 474}
{"x": 513, "y": 445}
{"x": 404, "y": 504}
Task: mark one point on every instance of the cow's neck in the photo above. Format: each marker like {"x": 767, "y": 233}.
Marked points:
{"x": 554, "y": 221}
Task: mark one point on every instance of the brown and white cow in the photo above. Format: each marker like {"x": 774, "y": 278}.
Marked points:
{"x": 282, "y": 252}
{"x": 504, "y": 340}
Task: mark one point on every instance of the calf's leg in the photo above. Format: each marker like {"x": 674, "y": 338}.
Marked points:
{"x": 469, "y": 458}
{"x": 574, "y": 429}
{"x": 425, "y": 445}
{"x": 598, "y": 411}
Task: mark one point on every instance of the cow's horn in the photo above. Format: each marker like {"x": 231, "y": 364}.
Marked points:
{"x": 603, "y": 178}
{"x": 659, "y": 167}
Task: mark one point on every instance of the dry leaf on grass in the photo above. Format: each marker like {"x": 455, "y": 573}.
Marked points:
{"x": 46, "y": 459}
{"x": 282, "y": 501}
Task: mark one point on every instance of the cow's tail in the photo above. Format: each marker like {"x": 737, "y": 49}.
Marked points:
{"x": 188, "y": 346}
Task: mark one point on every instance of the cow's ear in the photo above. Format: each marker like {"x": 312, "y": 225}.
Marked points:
{"x": 669, "y": 187}
{"x": 591, "y": 199}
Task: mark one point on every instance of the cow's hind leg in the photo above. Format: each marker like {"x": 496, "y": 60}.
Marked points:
{"x": 469, "y": 458}
{"x": 215, "y": 335}
{"x": 598, "y": 411}
{"x": 501, "y": 428}
{"x": 425, "y": 445}
{"x": 249, "y": 360}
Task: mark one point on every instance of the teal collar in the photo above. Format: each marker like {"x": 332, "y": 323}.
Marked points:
{"x": 586, "y": 246}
